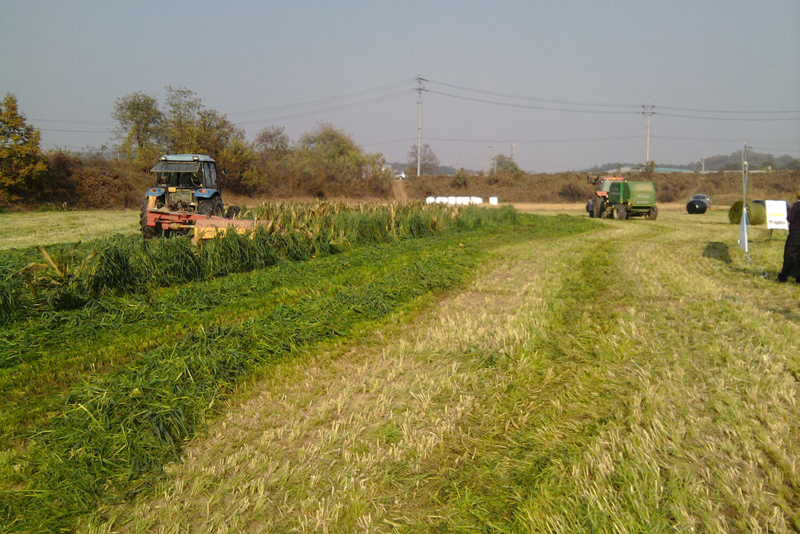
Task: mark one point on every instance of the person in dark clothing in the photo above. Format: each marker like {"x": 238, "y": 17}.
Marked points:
{"x": 791, "y": 251}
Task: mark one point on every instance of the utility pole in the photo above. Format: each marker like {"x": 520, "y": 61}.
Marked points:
{"x": 419, "y": 123}
{"x": 648, "y": 111}
{"x": 512, "y": 151}
{"x": 745, "y": 176}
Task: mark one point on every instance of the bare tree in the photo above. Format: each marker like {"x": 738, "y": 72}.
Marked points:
{"x": 429, "y": 163}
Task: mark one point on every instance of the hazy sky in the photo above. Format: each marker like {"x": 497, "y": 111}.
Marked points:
{"x": 565, "y": 80}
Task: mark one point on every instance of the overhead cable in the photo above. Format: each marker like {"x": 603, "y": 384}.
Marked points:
{"x": 73, "y": 131}
{"x": 533, "y": 99}
{"x": 325, "y": 101}
{"x": 608, "y": 105}
{"x": 537, "y": 141}
{"x": 730, "y": 112}
{"x": 513, "y": 105}
{"x": 326, "y": 110}
{"x": 740, "y": 119}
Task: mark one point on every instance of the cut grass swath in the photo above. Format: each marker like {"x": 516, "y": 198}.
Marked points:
{"x": 116, "y": 432}
{"x": 61, "y": 280}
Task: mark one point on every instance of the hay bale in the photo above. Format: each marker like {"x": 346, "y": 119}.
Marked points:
{"x": 757, "y": 213}
{"x": 698, "y": 207}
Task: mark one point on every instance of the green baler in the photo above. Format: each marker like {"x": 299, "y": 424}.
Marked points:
{"x": 629, "y": 199}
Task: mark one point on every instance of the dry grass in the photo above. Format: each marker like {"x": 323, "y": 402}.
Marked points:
{"x": 570, "y": 208}
{"x": 645, "y": 381}
{"x": 22, "y": 230}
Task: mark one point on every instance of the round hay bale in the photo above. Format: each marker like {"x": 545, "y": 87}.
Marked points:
{"x": 757, "y": 214}
{"x": 697, "y": 207}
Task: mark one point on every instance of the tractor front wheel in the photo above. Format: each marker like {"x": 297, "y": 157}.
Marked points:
{"x": 599, "y": 207}
{"x": 211, "y": 206}
{"x": 148, "y": 232}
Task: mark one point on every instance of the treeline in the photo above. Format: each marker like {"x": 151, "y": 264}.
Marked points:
{"x": 325, "y": 162}
{"x": 755, "y": 160}
{"x": 724, "y": 187}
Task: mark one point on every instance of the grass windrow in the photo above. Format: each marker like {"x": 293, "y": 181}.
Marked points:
{"x": 100, "y": 396}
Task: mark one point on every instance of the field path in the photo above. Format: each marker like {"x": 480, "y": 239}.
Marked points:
{"x": 643, "y": 378}
{"x": 399, "y": 190}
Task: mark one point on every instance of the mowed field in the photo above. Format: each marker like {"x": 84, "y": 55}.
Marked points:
{"x": 642, "y": 377}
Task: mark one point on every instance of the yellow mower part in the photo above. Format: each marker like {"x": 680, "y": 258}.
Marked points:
{"x": 213, "y": 227}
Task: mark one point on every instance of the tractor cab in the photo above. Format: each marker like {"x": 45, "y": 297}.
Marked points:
{"x": 184, "y": 182}
{"x": 176, "y": 171}
{"x": 603, "y": 183}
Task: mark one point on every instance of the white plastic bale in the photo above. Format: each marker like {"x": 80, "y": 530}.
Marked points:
{"x": 441, "y": 200}
{"x": 430, "y": 200}
{"x": 493, "y": 201}
{"x": 476, "y": 200}
{"x": 451, "y": 200}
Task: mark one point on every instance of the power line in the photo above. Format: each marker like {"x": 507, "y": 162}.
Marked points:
{"x": 721, "y": 140}
{"x": 542, "y": 108}
{"x": 410, "y": 139}
{"x": 731, "y": 112}
{"x": 325, "y": 101}
{"x": 73, "y": 131}
{"x": 741, "y": 119}
{"x": 328, "y": 109}
{"x": 72, "y": 121}
{"x": 536, "y": 141}
{"x": 276, "y": 109}
{"x": 601, "y": 105}
{"x": 535, "y": 99}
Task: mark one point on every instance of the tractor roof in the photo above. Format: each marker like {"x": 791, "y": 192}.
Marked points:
{"x": 186, "y": 157}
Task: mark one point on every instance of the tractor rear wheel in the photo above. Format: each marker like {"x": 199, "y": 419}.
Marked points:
{"x": 211, "y": 206}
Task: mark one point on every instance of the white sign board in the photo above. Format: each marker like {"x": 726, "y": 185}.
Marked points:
{"x": 776, "y": 215}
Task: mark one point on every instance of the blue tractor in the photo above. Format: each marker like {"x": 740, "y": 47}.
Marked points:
{"x": 185, "y": 184}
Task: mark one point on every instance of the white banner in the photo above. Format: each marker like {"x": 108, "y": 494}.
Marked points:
{"x": 776, "y": 215}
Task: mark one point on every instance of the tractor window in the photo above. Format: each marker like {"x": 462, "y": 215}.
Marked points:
{"x": 178, "y": 173}
{"x": 211, "y": 175}
{"x": 167, "y": 178}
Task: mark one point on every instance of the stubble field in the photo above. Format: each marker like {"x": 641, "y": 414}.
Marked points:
{"x": 637, "y": 377}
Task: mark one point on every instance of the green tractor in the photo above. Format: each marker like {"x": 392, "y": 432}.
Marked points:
{"x": 620, "y": 199}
